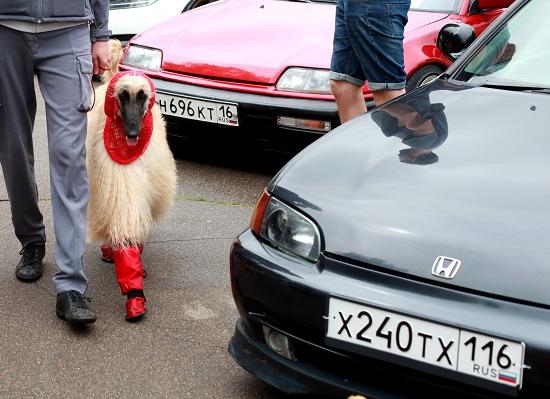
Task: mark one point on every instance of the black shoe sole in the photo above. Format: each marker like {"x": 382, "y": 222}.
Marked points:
{"x": 75, "y": 322}
{"x": 28, "y": 279}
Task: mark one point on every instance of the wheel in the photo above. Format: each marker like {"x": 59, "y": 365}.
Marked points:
{"x": 423, "y": 76}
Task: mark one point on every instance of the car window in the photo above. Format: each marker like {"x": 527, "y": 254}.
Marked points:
{"x": 446, "y": 6}
{"x": 518, "y": 54}
{"x": 196, "y": 4}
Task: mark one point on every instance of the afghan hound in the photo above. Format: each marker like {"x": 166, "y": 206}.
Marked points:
{"x": 132, "y": 176}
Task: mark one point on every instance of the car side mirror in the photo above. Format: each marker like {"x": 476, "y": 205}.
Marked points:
{"x": 493, "y": 4}
{"x": 454, "y": 38}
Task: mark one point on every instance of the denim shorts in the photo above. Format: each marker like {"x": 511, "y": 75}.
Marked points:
{"x": 368, "y": 43}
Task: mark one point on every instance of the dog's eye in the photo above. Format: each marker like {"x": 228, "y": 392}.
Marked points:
{"x": 124, "y": 96}
{"x": 141, "y": 96}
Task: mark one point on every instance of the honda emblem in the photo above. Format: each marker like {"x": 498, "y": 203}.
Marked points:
{"x": 445, "y": 267}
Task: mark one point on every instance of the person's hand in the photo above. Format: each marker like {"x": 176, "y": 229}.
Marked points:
{"x": 101, "y": 57}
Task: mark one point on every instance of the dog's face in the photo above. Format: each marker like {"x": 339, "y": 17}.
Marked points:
{"x": 133, "y": 94}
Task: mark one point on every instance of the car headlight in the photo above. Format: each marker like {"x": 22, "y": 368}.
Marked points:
{"x": 119, "y": 4}
{"x": 143, "y": 58}
{"x": 305, "y": 80}
{"x": 286, "y": 229}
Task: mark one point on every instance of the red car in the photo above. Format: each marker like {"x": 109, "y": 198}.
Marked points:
{"x": 260, "y": 67}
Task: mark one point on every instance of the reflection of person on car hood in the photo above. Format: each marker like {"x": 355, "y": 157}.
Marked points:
{"x": 419, "y": 124}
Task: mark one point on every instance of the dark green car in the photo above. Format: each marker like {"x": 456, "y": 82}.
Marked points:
{"x": 406, "y": 253}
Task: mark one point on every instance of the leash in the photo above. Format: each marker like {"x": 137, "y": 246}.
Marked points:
{"x": 93, "y": 91}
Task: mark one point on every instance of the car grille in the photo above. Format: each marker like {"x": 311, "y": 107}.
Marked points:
{"x": 442, "y": 284}
{"x": 255, "y": 131}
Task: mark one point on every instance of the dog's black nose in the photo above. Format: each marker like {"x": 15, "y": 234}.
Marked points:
{"x": 132, "y": 129}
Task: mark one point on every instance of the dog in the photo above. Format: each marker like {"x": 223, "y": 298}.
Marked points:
{"x": 131, "y": 173}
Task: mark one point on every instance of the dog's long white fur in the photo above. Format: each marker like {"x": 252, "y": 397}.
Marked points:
{"x": 126, "y": 199}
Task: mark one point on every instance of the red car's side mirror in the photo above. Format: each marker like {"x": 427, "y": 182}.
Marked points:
{"x": 492, "y": 4}
{"x": 454, "y": 38}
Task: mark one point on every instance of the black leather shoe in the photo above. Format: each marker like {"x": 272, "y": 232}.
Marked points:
{"x": 29, "y": 267}
{"x": 72, "y": 307}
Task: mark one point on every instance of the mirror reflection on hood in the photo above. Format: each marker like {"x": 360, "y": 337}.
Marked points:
{"x": 419, "y": 124}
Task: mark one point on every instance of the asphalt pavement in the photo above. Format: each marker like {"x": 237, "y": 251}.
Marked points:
{"x": 180, "y": 349}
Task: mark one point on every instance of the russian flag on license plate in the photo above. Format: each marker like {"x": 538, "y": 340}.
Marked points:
{"x": 509, "y": 377}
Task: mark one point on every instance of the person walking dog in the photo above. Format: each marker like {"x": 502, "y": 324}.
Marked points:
{"x": 368, "y": 46}
{"x": 62, "y": 43}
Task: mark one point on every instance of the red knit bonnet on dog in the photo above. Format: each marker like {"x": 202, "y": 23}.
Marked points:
{"x": 114, "y": 136}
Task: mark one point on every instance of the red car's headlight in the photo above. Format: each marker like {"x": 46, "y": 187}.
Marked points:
{"x": 140, "y": 57}
{"x": 305, "y": 80}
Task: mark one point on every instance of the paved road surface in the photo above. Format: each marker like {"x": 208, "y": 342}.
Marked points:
{"x": 180, "y": 349}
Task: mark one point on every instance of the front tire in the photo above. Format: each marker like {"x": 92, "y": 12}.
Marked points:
{"x": 424, "y": 76}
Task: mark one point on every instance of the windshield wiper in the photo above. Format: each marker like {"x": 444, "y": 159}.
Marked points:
{"x": 529, "y": 89}
{"x": 544, "y": 90}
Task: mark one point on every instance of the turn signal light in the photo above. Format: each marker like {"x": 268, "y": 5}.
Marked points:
{"x": 259, "y": 211}
{"x": 306, "y": 124}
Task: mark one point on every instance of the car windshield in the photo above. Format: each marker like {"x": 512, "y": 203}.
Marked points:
{"x": 446, "y": 6}
{"x": 518, "y": 55}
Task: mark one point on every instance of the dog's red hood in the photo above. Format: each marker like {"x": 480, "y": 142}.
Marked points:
{"x": 114, "y": 136}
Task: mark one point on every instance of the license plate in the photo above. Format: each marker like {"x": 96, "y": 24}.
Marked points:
{"x": 467, "y": 352}
{"x": 199, "y": 110}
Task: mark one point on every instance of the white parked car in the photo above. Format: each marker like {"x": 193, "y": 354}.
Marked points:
{"x": 129, "y": 17}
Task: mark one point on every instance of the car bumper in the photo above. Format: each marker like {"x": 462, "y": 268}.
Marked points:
{"x": 290, "y": 296}
{"x": 257, "y": 116}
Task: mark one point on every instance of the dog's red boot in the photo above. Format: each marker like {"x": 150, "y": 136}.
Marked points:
{"x": 107, "y": 253}
{"x": 129, "y": 275}
{"x": 135, "y": 307}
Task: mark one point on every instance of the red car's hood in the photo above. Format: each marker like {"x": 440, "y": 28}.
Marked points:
{"x": 251, "y": 40}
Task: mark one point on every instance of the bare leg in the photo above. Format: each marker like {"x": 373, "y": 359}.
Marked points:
{"x": 349, "y": 99}
{"x": 383, "y": 96}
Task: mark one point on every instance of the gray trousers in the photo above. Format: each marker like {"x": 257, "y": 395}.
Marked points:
{"x": 61, "y": 59}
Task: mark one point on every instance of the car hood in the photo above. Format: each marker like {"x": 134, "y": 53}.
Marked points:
{"x": 251, "y": 40}
{"x": 481, "y": 196}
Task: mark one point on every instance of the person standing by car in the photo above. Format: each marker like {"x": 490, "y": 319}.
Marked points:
{"x": 62, "y": 42}
{"x": 368, "y": 46}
